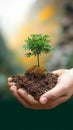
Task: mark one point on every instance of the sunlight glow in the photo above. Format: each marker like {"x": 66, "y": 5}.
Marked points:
{"x": 12, "y": 14}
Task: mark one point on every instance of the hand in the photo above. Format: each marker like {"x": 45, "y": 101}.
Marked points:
{"x": 26, "y": 99}
{"x": 62, "y": 91}
{"x": 59, "y": 94}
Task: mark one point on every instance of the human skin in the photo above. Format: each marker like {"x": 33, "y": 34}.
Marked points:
{"x": 58, "y": 95}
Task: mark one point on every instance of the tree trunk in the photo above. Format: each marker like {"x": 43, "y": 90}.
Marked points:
{"x": 38, "y": 60}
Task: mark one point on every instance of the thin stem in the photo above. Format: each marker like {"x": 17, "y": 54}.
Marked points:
{"x": 38, "y": 60}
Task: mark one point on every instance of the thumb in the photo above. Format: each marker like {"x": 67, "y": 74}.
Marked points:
{"x": 53, "y": 94}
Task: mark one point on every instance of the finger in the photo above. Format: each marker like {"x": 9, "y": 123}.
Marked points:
{"x": 14, "y": 91}
{"x": 9, "y": 79}
{"x": 24, "y": 103}
{"x": 53, "y": 94}
{"x": 11, "y": 84}
{"x": 28, "y": 98}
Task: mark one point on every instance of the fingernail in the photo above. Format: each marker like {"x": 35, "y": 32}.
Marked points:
{"x": 43, "y": 100}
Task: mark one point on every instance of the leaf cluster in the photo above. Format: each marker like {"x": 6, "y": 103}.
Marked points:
{"x": 37, "y": 44}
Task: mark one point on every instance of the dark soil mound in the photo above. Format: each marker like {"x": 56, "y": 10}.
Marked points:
{"x": 36, "y": 81}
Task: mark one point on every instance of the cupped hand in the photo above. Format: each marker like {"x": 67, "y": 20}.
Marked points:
{"x": 59, "y": 94}
{"x": 26, "y": 99}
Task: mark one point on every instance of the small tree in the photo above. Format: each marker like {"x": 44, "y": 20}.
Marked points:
{"x": 37, "y": 44}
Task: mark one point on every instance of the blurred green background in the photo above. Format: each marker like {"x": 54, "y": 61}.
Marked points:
{"x": 55, "y": 18}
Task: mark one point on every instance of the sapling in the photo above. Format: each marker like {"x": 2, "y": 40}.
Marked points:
{"x": 36, "y": 80}
{"x": 37, "y": 44}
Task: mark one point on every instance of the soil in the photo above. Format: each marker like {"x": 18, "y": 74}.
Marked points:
{"x": 36, "y": 81}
